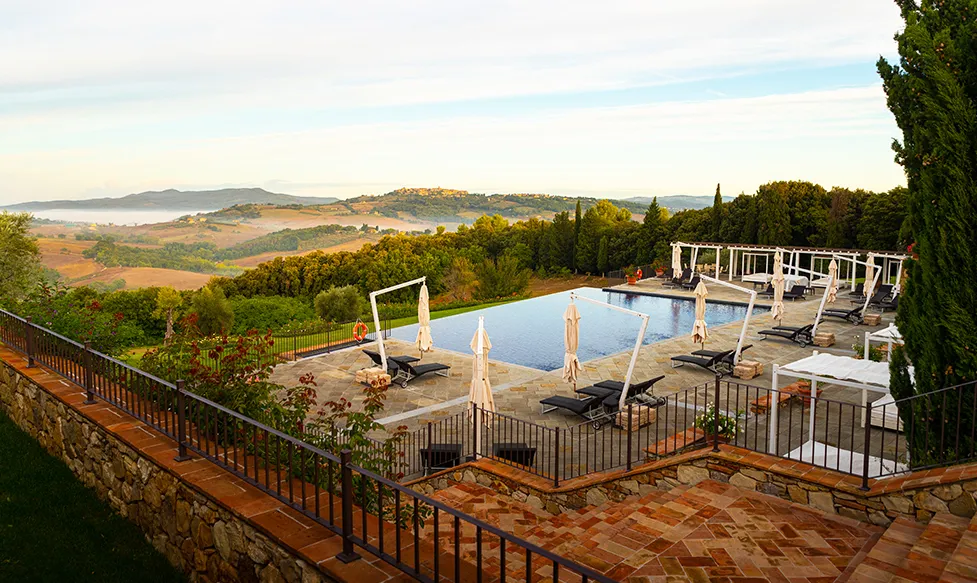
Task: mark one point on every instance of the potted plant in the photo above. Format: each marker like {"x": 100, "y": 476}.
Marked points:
{"x": 657, "y": 268}
{"x": 728, "y": 424}
{"x": 631, "y": 273}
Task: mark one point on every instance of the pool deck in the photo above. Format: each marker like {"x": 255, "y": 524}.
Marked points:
{"x": 518, "y": 389}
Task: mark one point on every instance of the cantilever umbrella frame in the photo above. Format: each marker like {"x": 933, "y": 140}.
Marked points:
{"x": 376, "y": 315}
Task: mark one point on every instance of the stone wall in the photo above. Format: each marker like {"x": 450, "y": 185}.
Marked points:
{"x": 912, "y": 496}
{"x": 195, "y": 533}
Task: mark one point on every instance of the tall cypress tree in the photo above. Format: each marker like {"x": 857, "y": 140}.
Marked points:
{"x": 576, "y": 234}
{"x": 717, "y": 215}
{"x": 933, "y": 94}
{"x": 773, "y": 215}
{"x": 651, "y": 232}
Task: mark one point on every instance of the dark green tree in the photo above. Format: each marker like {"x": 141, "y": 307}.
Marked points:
{"x": 773, "y": 215}
{"x": 602, "y": 255}
{"x": 740, "y": 224}
{"x": 882, "y": 216}
{"x": 933, "y": 94}
{"x": 717, "y": 216}
{"x": 844, "y": 215}
{"x": 558, "y": 243}
{"x": 214, "y": 312}
{"x": 577, "y": 223}
{"x": 651, "y": 232}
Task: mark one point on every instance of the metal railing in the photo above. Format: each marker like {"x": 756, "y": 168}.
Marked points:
{"x": 330, "y": 338}
{"x": 362, "y": 507}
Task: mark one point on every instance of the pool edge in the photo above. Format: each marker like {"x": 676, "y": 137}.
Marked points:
{"x": 686, "y": 298}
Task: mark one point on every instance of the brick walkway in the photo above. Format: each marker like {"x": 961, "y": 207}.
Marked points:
{"x": 708, "y": 532}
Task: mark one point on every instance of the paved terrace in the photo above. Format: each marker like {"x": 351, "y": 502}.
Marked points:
{"x": 518, "y": 389}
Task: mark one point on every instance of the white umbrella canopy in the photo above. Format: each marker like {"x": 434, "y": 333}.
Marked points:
{"x": 777, "y": 280}
{"x": 699, "y": 330}
{"x": 571, "y": 340}
{"x": 676, "y": 261}
{"x": 424, "y": 340}
{"x": 832, "y": 290}
{"x": 480, "y": 390}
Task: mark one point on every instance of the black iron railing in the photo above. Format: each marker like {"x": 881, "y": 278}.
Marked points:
{"x": 327, "y": 338}
{"x": 355, "y": 503}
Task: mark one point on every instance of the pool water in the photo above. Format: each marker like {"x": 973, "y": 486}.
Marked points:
{"x": 530, "y": 332}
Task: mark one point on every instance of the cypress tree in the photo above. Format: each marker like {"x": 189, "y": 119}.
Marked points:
{"x": 576, "y": 234}
{"x": 717, "y": 215}
{"x": 651, "y": 231}
{"x": 773, "y": 216}
{"x": 602, "y": 255}
{"x": 933, "y": 94}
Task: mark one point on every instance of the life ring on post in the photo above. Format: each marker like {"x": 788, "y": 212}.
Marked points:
{"x": 638, "y": 273}
{"x": 359, "y": 331}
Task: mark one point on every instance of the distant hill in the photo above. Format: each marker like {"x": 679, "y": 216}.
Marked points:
{"x": 443, "y": 204}
{"x": 193, "y": 200}
{"x": 678, "y": 202}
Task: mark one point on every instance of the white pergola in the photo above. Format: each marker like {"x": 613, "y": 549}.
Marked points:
{"x": 695, "y": 252}
{"x": 376, "y": 315}
{"x": 637, "y": 342}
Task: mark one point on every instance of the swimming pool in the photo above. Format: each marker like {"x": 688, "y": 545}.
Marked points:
{"x": 530, "y": 332}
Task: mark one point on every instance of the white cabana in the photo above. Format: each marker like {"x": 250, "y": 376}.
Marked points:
{"x": 843, "y": 371}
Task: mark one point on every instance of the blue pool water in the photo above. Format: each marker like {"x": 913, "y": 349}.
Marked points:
{"x": 530, "y": 332}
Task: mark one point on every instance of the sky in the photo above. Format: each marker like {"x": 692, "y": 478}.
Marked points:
{"x": 338, "y": 98}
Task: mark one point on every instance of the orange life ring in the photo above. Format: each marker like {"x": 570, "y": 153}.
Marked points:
{"x": 638, "y": 273}
{"x": 359, "y": 331}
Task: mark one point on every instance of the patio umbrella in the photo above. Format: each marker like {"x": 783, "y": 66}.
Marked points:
{"x": 571, "y": 339}
{"x": 870, "y": 276}
{"x": 832, "y": 281}
{"x": 699, "y": 331}
{"x": 480, "y": 391}
{"x": 424, "y": 341}
{"x": 676, "y": 261}
{"x": 778, "y": 287}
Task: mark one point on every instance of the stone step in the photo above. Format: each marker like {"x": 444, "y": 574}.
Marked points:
{"x": 929, "y": 556}
{"x": 962, "y": 566}
{"x": 889, "y": 557}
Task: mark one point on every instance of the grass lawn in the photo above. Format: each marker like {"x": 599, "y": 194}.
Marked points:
{"x": 52, "y": 528}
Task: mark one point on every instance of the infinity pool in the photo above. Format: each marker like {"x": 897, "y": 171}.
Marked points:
{"x": 530, "y": 332}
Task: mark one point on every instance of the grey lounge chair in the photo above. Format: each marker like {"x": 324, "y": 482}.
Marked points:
{"x": 878, "y": 297}
{"x": 796, "y": 293}
{"x": 853, "y": 315}
{"x": 392, "y": 369}
{"x": 691, "y": 284}
{"x": 801, "y": 335}
{"x": 410, "y": 372}
{"x": 590, "y": 408}
{"x": 858, "y": 292}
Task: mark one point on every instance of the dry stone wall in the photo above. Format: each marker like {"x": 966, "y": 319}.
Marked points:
{"x": 195, "y": 533}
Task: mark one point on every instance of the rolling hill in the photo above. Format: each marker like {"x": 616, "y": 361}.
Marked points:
{"x": 171, "y": 199}
{"x": 677, "y": 202}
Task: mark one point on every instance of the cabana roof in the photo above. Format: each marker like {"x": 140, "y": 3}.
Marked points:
{"x": 841, "y": 370}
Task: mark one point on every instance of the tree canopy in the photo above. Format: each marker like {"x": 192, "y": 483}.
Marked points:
{"x": 20, "y": 265}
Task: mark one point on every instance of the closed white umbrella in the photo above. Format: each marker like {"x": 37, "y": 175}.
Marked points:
{"x": 676, "y": 261}
{"x": 480, "y": 390}
{"x": 571, "y": 339}
{"x": 699, "y": 330}
{"x": 778, "y": 287}
{"x": 424, "y": 340}
{"x": 870, "y": 276}
{"x": 832, "y": 281}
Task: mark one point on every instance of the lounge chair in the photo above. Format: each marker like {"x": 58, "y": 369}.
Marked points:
{"x": 707, "y": 362}
{"x": 441, "y": 456}
{"x": 796, "y": 293}
{"x": 410, "y": 372}
{"x": 691, "y": 284}
{"x": 590, "y": 408}
{"x": 392, "y": 369}
{"x": 608, "y": 388}
{"x": 801, "y": 335}
{"x": 878, "y": 297}
{"x": 517, "y": 453}
{"x": 858, "y": 292}
{"x": 768, "y": 291}
{"x": 725, "y": 366}
{"x": 853, "y": 315}
{"x": 677, "y": 282}
{"x": 892, "y": 304}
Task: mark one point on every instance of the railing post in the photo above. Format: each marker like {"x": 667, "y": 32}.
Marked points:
{"x": 628, "y": 429}
{"x": 475, "y": 451}
{"x": 715, "y": 434}
{"x": 29, "y": 339}
{"x": 89, "y": 375}
{"x": 868, "y": 444}
{"x": 181, "y": 424}
{"x": 556, "y": 459}
{"x": 430, "y": 450}
{"x": 295, "y": 346}
{"x": 349, "y": 554}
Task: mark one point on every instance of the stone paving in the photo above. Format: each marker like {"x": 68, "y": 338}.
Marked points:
{"x": 707, "y": 532}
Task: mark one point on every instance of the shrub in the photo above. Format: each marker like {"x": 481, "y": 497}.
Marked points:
{"x": 263, "y": 313}
{"x": 213, "y": 310}
{"x": 728, "y": 424}
{"x": 503, "y": 277}
{"x": 339, "y": 304}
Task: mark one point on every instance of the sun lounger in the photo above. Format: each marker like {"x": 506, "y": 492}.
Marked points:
{"x": 691, "y": 284}
{"x": 796, "y": 293}
{"x": 590, "y": 408}
{"x": 853, "y": 315}
{"x": 892, "y": 304}
{"x": 441, "y": 456}
{"x": 767, "y": 292}
{"x": 517, "y": 453}
{"x": 677, "y": 282}
{"x": 878, "y": 297}
{"x": 801, "y": 336}
{"x": 858, "y": 292}
{"x": 725, "y": 366}
{"x": 608, "y": 388}
{"x": 707, "y": 362}
{"x": 410, "y": 372}
{"x": 392, "y": 369}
